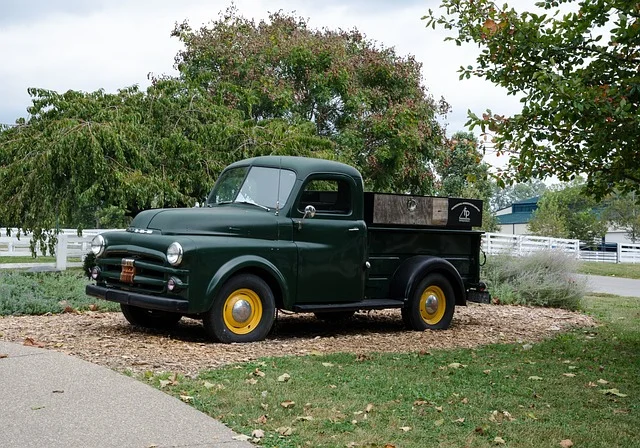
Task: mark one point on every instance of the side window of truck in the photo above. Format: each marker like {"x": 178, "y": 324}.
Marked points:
{"x": 328, "y": 196}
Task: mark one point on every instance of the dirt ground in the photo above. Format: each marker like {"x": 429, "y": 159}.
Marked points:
{"x": 108, "y": 339}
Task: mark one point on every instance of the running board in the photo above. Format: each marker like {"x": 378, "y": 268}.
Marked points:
{"x": 372, "y": 304}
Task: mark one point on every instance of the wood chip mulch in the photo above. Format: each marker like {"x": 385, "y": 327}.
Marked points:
{"x": 108, "y": 339}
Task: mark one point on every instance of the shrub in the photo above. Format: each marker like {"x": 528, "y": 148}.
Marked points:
{"x": 46, "y": 292}
{"x": 544, "y": 278}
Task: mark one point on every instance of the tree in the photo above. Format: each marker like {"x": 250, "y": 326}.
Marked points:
{"x": 567, "y": 212}
{"x": 463, "y": 174}
{"x": 131, "y": 150}
{"x": 367, "y": 101}
{"x": 245, "y": 89}
{"x": 577, "y": 76}
{"x": 505, "y": 196}
{"x": 624, "y": 212}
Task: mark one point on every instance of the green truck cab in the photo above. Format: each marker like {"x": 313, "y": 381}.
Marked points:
{"x": 296, "y": 234}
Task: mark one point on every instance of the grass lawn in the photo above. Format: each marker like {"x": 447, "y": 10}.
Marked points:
{"x": 626, "y": 270}
{"x": 581, "y": 386}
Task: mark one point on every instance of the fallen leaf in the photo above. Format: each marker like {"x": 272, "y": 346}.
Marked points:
{"x": 527, "y": 347}
{"x": 93, "y": 307}
{"x": 532, "y": 416}
{"x": 405, "y": 428}
{"x": 304, "y": 418}
{"x": 262, "y": 419}
{"x": 332, "y": 386}
{"x": 174, "y": 379}
{"x": 465, "y": 400}
{"x": 572, "y": 367}
{"x": 358, "y": 413}
{"x": 284, "y": 430}
{"x": 486, "y": 372}
{"x": 439, "y": 422}
{"x": 287, "y": 404}
{"x": 535, "y": 378}
{"x": 164, "y": 383}
{"x": 615, "y": 392}
{"x": 499, "y": 441}
{"x": 454, "y": 365}
{"x": 570, "y": 375}
{"x": 259, "y": 373}
{"x": 420, "y": 402}
{"x": 601, "y": 381}
{"x": 3, "y": 355}
{"x": 327, "y": 364}
{"x": 439, "y": 408}
{"x": 621, "y": 411}
{"x": 459, "y": 420}
{"x": 389, "y": 445}
{"x": 70, "y": 310}
{"x": 369, "y": 408}
{"x": 186, "y": 398}
{"x": 591, "y": 384}
{"x": 257, "y": 433}
{"x": 251, "y": 381}
{"x": 284, "y": 377}
{"x": 241, "y": 437}
{"x": 354, "y": 422}
{"x": 264, "y": 406}
{"x": 30, "y": 342}
{"x": 566, "y": 443}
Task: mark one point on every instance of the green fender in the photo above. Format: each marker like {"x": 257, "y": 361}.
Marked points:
{"x": 267, "y": 270}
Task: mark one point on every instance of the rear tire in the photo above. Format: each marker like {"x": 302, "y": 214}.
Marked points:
{"x": 334, "y": 316}
{"x": 243, "y": 311}
{"x": 431, "y": 305}
{"x": 142, "y": 317}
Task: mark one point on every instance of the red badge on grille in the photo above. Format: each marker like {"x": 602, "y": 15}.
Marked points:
{"x": 128, "y": 270}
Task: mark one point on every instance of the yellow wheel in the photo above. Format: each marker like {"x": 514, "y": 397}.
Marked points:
{"x": 431, "y": 305}
{"x": 243, "y": 311}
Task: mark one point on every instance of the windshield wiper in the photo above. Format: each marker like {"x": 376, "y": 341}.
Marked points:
{"x": 253, "y": 203}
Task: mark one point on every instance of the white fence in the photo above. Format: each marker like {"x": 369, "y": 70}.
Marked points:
{"x": 69, "y": 245}
{"x": 495, "y": 243}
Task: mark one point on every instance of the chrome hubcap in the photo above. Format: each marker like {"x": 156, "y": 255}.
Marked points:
{"x": 431, "y": 304}
{"x": 241, "y": 311}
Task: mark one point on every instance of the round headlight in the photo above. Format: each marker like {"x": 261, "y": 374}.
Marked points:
{"x": 97, "y": 245}
{"x": 174, "y": 254}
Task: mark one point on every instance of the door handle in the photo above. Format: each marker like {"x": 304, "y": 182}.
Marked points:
{"x": 354, "y": 229}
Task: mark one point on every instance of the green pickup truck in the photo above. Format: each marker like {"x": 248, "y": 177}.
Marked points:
{"x": 296, "y": 234}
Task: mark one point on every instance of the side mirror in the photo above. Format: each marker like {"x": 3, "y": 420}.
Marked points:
{"x": 309, "y": 212}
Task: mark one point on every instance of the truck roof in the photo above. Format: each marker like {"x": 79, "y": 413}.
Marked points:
{"x": 303, "y": 166}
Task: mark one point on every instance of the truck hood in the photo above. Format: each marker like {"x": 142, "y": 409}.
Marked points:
{"x": 229, "y": 220}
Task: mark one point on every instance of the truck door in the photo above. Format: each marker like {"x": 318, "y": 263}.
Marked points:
{"x": 331, "y": 244}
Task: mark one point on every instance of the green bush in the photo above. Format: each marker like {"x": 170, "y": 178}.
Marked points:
{"x": 545, "y": 278}
{"x": 46, "y": 292}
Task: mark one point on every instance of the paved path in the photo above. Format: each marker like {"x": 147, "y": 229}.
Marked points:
{"x": 613, "y": 285}
{"x": 48, "y": 399}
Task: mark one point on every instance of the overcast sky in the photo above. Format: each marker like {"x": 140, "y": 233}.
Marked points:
{"x": 88, "y": 45}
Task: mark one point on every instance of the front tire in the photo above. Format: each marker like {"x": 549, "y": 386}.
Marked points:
{"x": 243, "y": 311}
{"x": 431, "y": 305}
{"x": 142, "y": 317}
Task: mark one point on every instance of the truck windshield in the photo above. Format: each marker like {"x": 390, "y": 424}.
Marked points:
{"x": 256, "y": 185}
